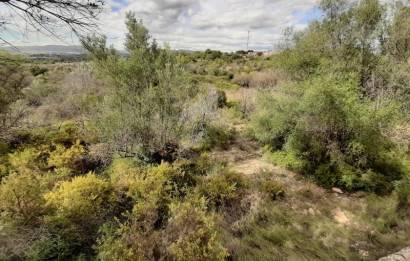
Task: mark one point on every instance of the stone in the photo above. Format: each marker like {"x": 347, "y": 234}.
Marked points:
{"x": 337, "y": 190}
{"x": 403, "y": 255}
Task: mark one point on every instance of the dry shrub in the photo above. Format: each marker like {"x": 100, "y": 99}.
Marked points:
{"x": 75, "y": 97}
{"x": 263, "y": 80}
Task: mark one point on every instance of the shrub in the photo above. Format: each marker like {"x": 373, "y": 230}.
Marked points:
{"x": 49, "y": 247}
{"x": 79, "y": 207}
{"x": 330, "y": 134}
{"x": 275, "y": 115}
{"x": 273, "y": 189}
{"x": 21, "y": 198}
{"x": 242, "y": 80}
{"x": 26, "y": 159}
{"x": 217, "y": 137}
{"x": 287, "y": 160}
{"x": 63, "y": 157}
{"x": 139, "y": 238}
{"x": 222, "y": 101}
{"x": 123, "y": 172}
{"x": 37, "y": 70}
{"x": 66, "y": 134}
{"x": 223, "y": 189}
{"x": 262, "y": 80}
{"x": 83, "y": 199}
{"x": 192, "y": 234}
{"x": 402, "y": 191}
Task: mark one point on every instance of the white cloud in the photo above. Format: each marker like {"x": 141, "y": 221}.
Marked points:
{"x": 201, "y": 24}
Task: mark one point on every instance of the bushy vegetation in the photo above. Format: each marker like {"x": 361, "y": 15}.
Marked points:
{"x": 141, "y": 117}
{"x": 155, "y": 155}
{"x": 331, "y": 122}
{"x": 13, "y": 79}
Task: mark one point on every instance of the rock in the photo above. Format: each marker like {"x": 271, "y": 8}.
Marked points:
{"x": 311, "y": 211}
{"x": 337, "y": 190}
{"x": 341, "y": 217}
{"x": 364, "y": 253}
{"x": 402, "y": 255}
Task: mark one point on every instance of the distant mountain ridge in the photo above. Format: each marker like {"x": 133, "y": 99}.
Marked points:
{"x": 47, "y": 49}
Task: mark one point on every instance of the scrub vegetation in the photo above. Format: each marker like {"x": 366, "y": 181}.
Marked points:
{"x": 303, "y": 154}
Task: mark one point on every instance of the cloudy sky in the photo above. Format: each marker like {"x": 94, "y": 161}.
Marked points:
{"x": 200, "y": 24}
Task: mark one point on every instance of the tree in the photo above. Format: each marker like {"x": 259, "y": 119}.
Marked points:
{"x": 13, "y": 79}
{"x": 368, "y": 15}
{"x": 49, "y": 15}
{"x": 399, "y": 41}
{"x": 142, "y": 115}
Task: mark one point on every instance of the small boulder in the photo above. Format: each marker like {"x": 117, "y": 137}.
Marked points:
{"x": 337, "y": 190}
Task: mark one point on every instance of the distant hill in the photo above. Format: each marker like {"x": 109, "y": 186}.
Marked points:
{"x": 48, "y": 49}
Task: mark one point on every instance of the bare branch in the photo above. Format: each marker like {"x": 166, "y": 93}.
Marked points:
{"x": 49, "y": 16}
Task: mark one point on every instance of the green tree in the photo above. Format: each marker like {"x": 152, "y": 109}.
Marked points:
{"x": 143, "y": 113}
{"x": 13, "y": 79}
{"x": 399, "y": 35}
{"x": 368, "y": 15}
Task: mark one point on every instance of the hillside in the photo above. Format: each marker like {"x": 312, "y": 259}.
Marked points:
{"x": 299, "y": 154}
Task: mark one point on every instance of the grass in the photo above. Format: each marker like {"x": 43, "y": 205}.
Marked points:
{"x": 306, "y": 227}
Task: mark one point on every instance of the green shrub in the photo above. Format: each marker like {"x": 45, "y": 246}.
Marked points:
{"x": 222, "y": 101}
{"x": 13, "y": 79}
{"x": 326, "y": 131}
{"x": 123, "y": 172}
{"x": 78, "y": 208}
{"x": 63, "y": 157}
{"x": 83, "y": 199}
{"x": 37, "y": 70}
{"x": 21, "y": 198}
{"x": 223, "y": 188}
{"x": 217, "y": 137}
{"x": 51, "y": 247}
{"x": 402, "y": 191}
{"x": 275, "y": 115}
{"x": 192, "y": 234}
{"x": 287, "y": 160}
{"x": 27, "y": 159}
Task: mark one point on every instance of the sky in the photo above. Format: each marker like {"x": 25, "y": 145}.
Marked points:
{"x": 198, "y": 24}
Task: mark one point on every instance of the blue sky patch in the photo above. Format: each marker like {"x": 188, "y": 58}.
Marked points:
{"x": 118, "y": 5}
{"x": 311, "y": 15}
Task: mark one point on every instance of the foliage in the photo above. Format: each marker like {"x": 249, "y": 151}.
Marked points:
{"x": 287, "y": 160}
{"x": 403, "y": 195}
{"x": 337, "y": 136}
{"x": 189, "y": 235}
{"x": 21, "y": 198}
{"x": 13, "y": 79}
{"x": 37, "y": 70}
{"x": 66, "y": 158}
{"x": 399, "y": 35}
{"x": 223, "y": 188}
{"x": 84, "y": 198}
{"x": 192, "y": 233}
{"x": 217, "y": 137}
{"x": 79, "y": 207}
{"x": 142, "y": 113}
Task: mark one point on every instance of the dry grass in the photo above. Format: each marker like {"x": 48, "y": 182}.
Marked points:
{"x": 263, "y": 80}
